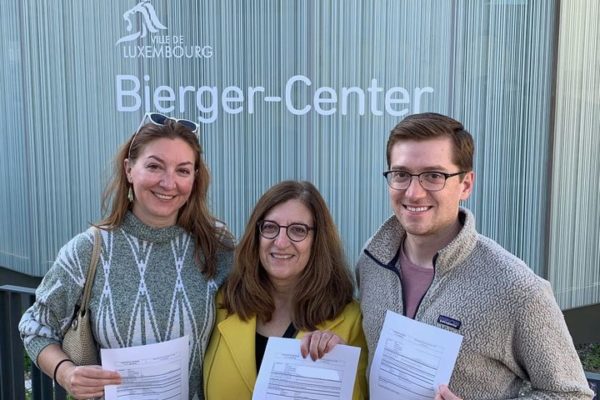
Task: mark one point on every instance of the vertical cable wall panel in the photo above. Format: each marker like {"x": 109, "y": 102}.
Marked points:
{"x": 14, "y": 210}
{"x": 489, "y": 63}
{"x": 68, "y": 119}
{"x": 574, "y": 254}
{"x": 503, "y": 72}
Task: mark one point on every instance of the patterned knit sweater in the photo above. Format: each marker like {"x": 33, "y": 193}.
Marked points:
{"x": 147, "y": 289}
{"x": 514, "y": 332}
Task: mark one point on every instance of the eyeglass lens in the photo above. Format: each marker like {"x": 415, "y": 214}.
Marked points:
{"x": 160, "y": 119}
{"x": 296, "y": 232}
{"x": 401, "y": 180}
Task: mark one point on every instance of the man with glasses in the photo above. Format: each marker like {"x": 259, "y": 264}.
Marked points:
{"x": 428, "y": 262}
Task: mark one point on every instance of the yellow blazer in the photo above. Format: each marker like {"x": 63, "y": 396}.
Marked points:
{"x": 230, "y": 366}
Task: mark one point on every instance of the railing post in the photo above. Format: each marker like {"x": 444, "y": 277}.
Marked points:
{"x": 41, "y": 385}
{"x": 5, "y": 387}
{"x": 13, "y": 301}
{"x": 11, "y": 347}
{"x": 60, "y": 393}
{"x": 594, "y": 382}
{"x": 43, "y": 388}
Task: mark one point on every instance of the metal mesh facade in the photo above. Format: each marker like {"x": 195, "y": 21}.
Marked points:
{"x": 308, "y": 90}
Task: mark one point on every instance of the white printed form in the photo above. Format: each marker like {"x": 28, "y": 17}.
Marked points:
{"x": 412, "y": 359}
{"x": 155, "y": 371}
{"x": 284, "y": 374}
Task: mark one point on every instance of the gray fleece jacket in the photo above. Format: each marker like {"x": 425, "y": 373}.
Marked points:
{"x": 513, "y": 330}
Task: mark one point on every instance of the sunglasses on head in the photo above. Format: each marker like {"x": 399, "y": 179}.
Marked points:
{"x": 161, "y": 119}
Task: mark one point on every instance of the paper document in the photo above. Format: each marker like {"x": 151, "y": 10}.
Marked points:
{"x": 155, "y": 371}
{"x": 284, "y": 374}
{"x": 412, "y": 359}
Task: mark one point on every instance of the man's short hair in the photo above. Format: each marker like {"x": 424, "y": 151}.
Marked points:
{"x": 426, "y": 126}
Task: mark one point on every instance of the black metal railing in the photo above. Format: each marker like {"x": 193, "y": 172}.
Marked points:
{"x": 13, "y": 302}
{"x": 594, "y": 381}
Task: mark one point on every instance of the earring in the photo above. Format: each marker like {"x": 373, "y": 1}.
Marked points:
{"x": 130, "y": 195}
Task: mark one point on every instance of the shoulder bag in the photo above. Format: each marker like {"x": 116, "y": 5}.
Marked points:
{"x": 78, "y": 342}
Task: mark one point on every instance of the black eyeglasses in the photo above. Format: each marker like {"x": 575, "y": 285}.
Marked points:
{"x": 429, "y": 180}
{"x": 297, "y": 232}
{"x": 161, "y": 119}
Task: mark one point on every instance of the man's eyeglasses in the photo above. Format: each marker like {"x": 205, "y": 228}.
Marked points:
{"x": 296, "y": 232}
{"x": 429, "y": 180}
{"x": 161, "y": 119}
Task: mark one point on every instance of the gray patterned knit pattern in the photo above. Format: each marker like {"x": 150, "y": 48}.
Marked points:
{"x": 513, "y": 330}
{"x": 147, "y": 290}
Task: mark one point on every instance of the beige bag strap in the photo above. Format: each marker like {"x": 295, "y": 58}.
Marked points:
{"x": 89, "y": 280}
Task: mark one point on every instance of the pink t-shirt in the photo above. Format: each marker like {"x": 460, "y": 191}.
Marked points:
{"x": 415, "y": 282}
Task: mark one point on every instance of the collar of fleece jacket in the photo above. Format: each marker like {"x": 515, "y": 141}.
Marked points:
{"x": 385, "y": 243}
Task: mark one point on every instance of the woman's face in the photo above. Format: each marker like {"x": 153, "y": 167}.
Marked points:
{"x": 162, "y": 179}
{"x": 283, "y": 259}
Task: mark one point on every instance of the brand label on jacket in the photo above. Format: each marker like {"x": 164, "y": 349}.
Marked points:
{"x": 451, "y": 322}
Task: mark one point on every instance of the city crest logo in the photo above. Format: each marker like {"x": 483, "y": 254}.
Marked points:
{"x": 148, "y": 37}
{"x": 150, "y": 21}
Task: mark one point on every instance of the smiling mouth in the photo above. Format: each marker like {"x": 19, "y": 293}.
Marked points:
{"x": 417, "y": 209}
{"x": 163, "y": 196}
{"x": 281, "y": 256}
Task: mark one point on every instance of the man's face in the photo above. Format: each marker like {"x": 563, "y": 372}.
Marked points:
{"x": 428, "y": 214}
